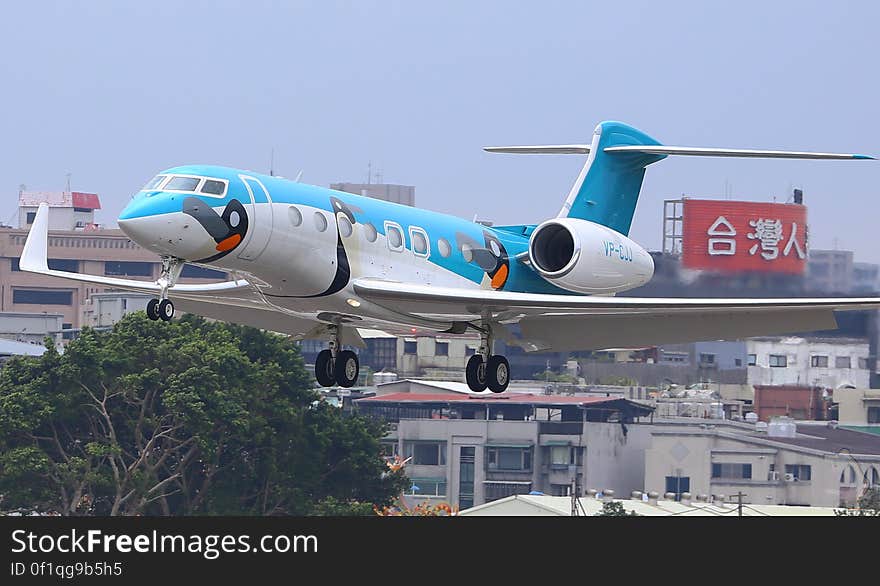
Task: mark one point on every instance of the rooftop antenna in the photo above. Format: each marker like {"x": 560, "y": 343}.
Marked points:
{"x": 379, "y": 176}
{"x": 272, "y": 163}
{"x": 369, "y": 171}
{"x": 68, "y": 182}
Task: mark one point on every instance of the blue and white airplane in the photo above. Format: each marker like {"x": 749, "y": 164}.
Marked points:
{"x": 316, "y": 263}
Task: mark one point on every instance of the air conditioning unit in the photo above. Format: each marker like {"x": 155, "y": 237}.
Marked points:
{"x": 774, "y": 475}
{"x": 789, "y": 477}
{"x": 392, "y": 427}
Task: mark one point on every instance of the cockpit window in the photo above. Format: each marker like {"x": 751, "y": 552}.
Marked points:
{"x": 213, "y": 187}
{"x": 182, "y": 184}
{"x": 154, "y": 182}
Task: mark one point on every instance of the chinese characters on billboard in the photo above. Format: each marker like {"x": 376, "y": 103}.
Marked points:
{"x": 736, "y": 236}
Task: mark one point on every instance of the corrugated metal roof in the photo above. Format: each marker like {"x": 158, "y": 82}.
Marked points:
{"x": 13, "y": 348}
{"x": 86, "y": 200}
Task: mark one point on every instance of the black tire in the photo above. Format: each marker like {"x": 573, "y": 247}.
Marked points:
{"x": 153, "y": 309}
{"x": 475, "y": 373}
{"x": 324, "y": 369}
{"x": 166, "y": 310}
{"x": 346, "y": 368}
{"x": 498, "y": 373}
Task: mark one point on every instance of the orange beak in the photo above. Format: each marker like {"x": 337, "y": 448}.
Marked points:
{"x": 500, "y": 277}
{"x": 228, "y": 243}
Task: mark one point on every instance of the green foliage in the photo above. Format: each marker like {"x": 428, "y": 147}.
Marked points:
{"x": 614, "y": 509}
{"x": 182, "y": 418}
{"x": 868, "y": 505}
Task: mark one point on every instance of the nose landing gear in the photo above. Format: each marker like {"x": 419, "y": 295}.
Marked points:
{"x": 485, "y": 370}
{"x": 162, "y": 308}
{"x": 334, "y": 366}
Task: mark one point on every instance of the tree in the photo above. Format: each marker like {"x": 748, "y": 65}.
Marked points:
{"x": 182, "y": 418}
{"x": 614, "y": 509}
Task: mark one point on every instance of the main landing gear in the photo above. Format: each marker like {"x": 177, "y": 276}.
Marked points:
{"x": 334, "y": 366}
{"x": 162, "y": 308}
{"x": 485, "y": 370}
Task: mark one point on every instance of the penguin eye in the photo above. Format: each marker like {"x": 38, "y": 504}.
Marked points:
{"x": 234, "y": 219}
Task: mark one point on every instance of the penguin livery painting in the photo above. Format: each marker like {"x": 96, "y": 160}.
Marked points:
{"x": 316, "y": 263}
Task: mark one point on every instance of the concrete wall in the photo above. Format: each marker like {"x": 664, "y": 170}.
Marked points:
{"x": 853, "y": 405}
{"x": 798, "y": 352}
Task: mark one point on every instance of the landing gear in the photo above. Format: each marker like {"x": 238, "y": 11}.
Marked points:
{"x": 485, "y": 370}
{"x": 162, "y": 308}
{"x": 334, "y": 366}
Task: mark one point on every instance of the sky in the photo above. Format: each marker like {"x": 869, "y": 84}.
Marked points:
{"x": 113, "y": 92}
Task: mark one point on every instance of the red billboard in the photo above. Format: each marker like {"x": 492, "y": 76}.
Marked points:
{"x": 739, "y": 236}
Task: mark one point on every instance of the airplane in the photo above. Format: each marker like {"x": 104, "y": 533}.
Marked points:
{"x": 316, "y": 263}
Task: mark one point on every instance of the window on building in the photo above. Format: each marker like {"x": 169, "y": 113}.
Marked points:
{"x": 500, "y": 490}
{"x": 732, "y": 471}
{"x": 66, "y": 326}
{"x": 441, "y": 348}
{"x": 752, "y": 359}
{"x": 678, "y": 485}
{"x": 42, "y": 296}
{"x": 517, "y": 459}
{"x": 842, "y": 362}
{"x": 30, "y": 217}
{"x": 127, "y": 268}
{"x": 707, "y": 359}
{"x": 469, "y": 351}
{"x": 426, "y": 453}
{"x": 778, "y": 360}
{"x": 863, "y": 363}
{"x": 83, "y": 210}
{"x": 801, "y": 472}
{"x": 561, "y": 456}
{"x": 410, "y": 347}
{"x": 737, "y": 362}
{"x": 427, "y": 487}
{"x": 819, "y": 361}
{"x": 389, "y": 449}
{"x": 873, "y": 414}
{"x": 201, "y": 272}
{"x": 467, "y": 455}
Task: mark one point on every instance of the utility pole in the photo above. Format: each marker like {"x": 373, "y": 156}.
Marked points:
{"x": 739, "y": 498}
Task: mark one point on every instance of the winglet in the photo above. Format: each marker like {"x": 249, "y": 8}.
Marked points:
{"x": 36, "y": 247}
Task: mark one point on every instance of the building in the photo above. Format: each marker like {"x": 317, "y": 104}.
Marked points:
{"x": 67, "y": 210}
{"x": 468, "y": 450}
{"x": 826, "y": 362}
{"x": 795, "y": 401}
{"x": 781, "y": 463}
{"x": 105, "y": 309}
{"x": 30, "y": 327}
{"x": 541, "y": 505}
{"x": 830, "y": 271}
{"x": 11, "y": 348}
{"x": 866, "y": 278}
{"x": 404, "y": 194}
{"x": 858, "y": 407}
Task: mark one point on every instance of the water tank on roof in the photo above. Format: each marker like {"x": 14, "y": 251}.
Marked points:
{"x": 782, "y": 427}
{"x": 751, "y": 417}
{"x": 761, "y": 427}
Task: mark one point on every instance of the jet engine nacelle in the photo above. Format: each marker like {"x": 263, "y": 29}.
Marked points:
{"x": 586, "y": 257}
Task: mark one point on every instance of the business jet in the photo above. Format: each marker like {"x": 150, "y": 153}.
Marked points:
{"x": 320, "y": 264}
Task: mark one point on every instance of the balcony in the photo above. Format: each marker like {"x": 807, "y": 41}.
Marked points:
{"x": 561, "y": 427}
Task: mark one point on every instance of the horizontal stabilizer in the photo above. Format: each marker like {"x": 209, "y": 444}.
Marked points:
{"x": 713, "y": 152}
{"x": 552, "y": 149}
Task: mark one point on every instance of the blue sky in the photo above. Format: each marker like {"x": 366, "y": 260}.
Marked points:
{"x": 112, "y": 92}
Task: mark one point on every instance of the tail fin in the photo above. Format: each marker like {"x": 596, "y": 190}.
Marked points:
{"x": 607, "y": 188}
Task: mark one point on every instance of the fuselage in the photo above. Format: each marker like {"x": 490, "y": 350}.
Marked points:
{"x": 303, "y": 245}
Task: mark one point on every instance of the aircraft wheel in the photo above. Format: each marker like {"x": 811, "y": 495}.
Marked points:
{"x": 166, "y": 310}
{"x": 498, "y": 373}
{"x": 153, "y": 309}
{"x": 346, "y": 368}
{"x": 324, "y": 369}
{"x": 475, "y": 373}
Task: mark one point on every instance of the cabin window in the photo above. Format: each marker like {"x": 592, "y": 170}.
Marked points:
{"x": 320, "y": 221}
{"x": 345, "y": 228}
{"x": 444, "y": 248}
{"x": 296, "y": 217}
{"x": 394, "y": 235}
{"x": 370, "y": 232}
{"x": 182, "y": 184}
{"x": 419, "y": 240}
{"x": 213, "y": 187}
{"x": 155, "y": 182}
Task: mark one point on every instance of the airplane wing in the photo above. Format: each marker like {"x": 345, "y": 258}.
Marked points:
{"x": 576, "y": 322}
